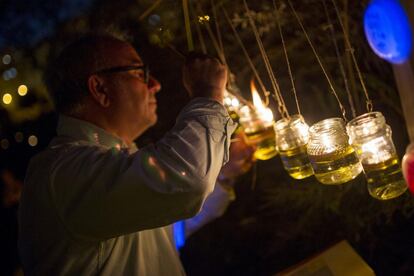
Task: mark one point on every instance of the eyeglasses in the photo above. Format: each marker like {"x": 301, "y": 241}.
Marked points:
{"x": 118, "y": 69}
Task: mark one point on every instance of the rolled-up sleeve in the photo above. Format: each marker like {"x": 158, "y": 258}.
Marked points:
{"x": 102, "y": 193}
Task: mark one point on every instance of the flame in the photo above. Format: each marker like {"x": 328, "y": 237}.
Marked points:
{"x": 257, "y": 101}
{"x": 264, "y": 112}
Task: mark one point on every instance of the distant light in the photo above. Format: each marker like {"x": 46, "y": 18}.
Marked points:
{"x": 203, "y": 18}
{"x": 6, "y": 75}
{"x": 179, "y": 233}
{"x": 6, "y": 59}
{"x": 7, "y": 98}
{"x": 154, "y": 19}
{"x": 18, "y": 137}
{"x": 388, "y": 30}
{"x": 13, "y": 72}
{"x": 32, "y": 140}
{"x": 22, "y": 90}
{"x": 4, "y": 143}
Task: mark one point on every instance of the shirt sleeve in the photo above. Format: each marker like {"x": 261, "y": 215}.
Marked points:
{"x": 214, "y": 207}
{"x": 102, "y": 193}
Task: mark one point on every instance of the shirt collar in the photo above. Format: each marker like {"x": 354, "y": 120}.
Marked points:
{"x": 83, "y": 130}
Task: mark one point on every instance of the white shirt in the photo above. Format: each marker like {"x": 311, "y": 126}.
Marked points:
{"x": 89, "y": 207}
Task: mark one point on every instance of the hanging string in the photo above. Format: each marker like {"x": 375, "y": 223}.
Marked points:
{"x": 286, "y": 56}
{"x": 198, "y": 30}
{"x": 220, "y": 54}
{"x": 211, "y": 34}
{"x": 338, "y": 56}
{"x": 190, "y": 43}
{"x": 278, "y": 96}
{"x": 149, "y": 10}
{"x": 369, "y": 104}
{"x": 218, "y": 33}
{"x": 178, "y": 53}
{"x": 200, "y": 38}
{"x": 341, "y": 107}
{"x": 246, "y": 54}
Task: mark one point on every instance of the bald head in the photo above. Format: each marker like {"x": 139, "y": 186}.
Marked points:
{"x": 66, "y": 77}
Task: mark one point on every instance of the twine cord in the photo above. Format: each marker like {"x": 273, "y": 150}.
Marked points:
{"x": 369, "y": 104}
{"x": 341, "y": 107}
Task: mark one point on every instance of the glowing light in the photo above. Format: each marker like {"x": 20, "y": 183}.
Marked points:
{"x": 230, "y": 100}
{"x": 264, "y": 112}
{"x": 388, "y": 31}
{"x": 304, "y": 130}
{"x": 10, "y": 74}
{"x": 32, "y": 140}
{"x": 372, "y": 152}
{"x": 13, "y": 72}
{"x": 6, "y": 75}
{"x": 7, "y": 98}
{"x": 204, "y": 18}
{"x": 154, "y": 19}
{"x": 235, "y": 102}
{"x": 4, "y": 143}
{"x": 6, "y": 59}
{"x": 22, "y": 90}
{"x": 18, "y": 137}
{"x": 328, "y": 143}
{"x": 179, "y": 233}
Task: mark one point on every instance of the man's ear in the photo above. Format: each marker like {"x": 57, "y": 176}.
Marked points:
{"x": 98, "y": 90}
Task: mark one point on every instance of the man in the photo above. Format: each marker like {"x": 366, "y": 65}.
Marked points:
{"x": 94, "y": 204}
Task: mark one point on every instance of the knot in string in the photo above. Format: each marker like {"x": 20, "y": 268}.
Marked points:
{"x": 370, "y": 106}
{"x": 350, "y": 50}
{"x": 266, "y": 94}
{"x": 343, "y": 111}
{"x": 283, "y": 111}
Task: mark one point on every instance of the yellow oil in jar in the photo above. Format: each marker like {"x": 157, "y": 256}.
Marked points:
{"x": 265, "y": 142}
{"x": 337, "y": 167}
{"x": 296, "y": 162}
{"x": 385, "y": 179}
{"x": 233, "y": 115}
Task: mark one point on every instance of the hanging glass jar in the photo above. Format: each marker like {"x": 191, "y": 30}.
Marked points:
{"x": 259, "y": 130}
{"x": 292, "y": 135}
{"x": 371, "y": 138}
{"x": 232, "y": 105}
{"x": 333, "y": 160}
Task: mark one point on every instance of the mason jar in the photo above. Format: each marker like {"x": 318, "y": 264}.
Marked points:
{"x": 292, "y": 135}
{"x": 260, "y": 133}
{"x": 232, "y": 104}
{"x": 333, "y": 160}
{"x": 371, "y": 138}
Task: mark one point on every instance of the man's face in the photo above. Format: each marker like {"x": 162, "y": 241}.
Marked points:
{"x": 132, "y": 101}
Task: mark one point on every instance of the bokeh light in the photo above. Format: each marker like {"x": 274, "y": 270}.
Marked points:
{"x": 18, "y": 137}
{"x": 13, "y": 72}
{"x": 154, "y": 20}
{"x": 203, "y": 18}
{"x": 6, "y": 59}
{"x": 32, "y": 140}
{"x": 22, "y": 90}
{"x": 7, "y": 98}
{"x": 4, "y": 143}
{"x": 6, "y": 75}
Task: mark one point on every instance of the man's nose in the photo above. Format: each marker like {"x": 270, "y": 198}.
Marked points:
{"x": 154, "y": 85}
